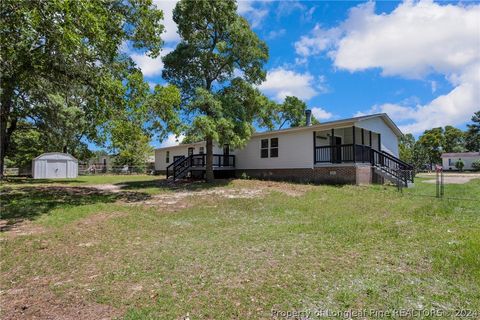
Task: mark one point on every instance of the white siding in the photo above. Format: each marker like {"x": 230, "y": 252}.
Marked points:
{"x": 295, "y": 150}
{"x": 388, "y": 138}
{"x": 451, "y": 165}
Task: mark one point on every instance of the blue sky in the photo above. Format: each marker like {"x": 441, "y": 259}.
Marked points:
{"x": 419, "y": 61}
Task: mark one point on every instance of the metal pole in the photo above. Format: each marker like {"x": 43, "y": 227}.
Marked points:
{"x": 441, "y": 184}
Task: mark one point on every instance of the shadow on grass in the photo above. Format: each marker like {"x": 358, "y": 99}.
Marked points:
{"x": 29, "y": 181}
{"x": 27, "y": 203}
{"x": 168, "y": 185}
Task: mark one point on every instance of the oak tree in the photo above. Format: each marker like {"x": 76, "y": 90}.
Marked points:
{"x": 72, "y": 50}
{"x": 216, "y": 64}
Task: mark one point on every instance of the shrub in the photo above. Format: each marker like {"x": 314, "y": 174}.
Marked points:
{"x": 476, "y": 165}
{"x": 244, "y": 176}
{"x": 459, "y": 165}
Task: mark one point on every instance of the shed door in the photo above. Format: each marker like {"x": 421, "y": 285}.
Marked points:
{"x": 56, "y": 169}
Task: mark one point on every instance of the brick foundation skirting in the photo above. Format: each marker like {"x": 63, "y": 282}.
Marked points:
{"x": 359, "y": 174}
{"x": 328, "y": 175}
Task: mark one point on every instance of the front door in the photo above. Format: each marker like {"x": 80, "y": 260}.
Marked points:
{"x": 337, "y": 150}
{"x": 226, "y": 153}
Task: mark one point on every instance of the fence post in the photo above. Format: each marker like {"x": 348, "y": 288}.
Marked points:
{"x": 441, "y": 184}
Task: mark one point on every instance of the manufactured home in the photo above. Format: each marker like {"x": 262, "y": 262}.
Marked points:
{"x": 358, "y": 150}
{"x": 450, "y": 159}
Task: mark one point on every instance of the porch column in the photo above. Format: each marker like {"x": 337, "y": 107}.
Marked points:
{"x": 332, "y": 142}
{"x": 363, "y": 144}
{"x": 314, "y": 147}
{"x": 354, "y": 144}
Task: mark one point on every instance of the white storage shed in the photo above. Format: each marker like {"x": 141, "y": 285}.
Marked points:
{"x": 54, "y": 165}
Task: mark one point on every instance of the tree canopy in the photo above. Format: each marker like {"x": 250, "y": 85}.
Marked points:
{"x": 454, "y": 140}
{"x": 472, "y": 136}
{"x": 432, "y": 143}
{"x": 292, "y": 111}
{"x": 66, "y": 55}
{"x": 216, "y": 64}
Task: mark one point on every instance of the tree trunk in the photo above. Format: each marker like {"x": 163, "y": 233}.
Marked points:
{"x": 209, "y": 165}
{"x": 5, "y": 108}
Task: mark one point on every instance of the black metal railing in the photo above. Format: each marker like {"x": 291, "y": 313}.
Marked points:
{"x": 392, "y": 165}
{"x": 198, "y": 161}
{"x": 342, "y": 153}
{"x": 173, "y": 164}
{"x": 365, "y": 154}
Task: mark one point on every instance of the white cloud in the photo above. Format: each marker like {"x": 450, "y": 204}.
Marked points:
{"x": 172, "y": 140}
{"x": 453, "y": 108}
{"x": 254, "y": 11}
{"x": 321, "y": 114}
{"x": 150, "y": 66}
{"x": 317, "y": 41}
{"x": 276, "y": 34}
{"x": 282, "y": 82}
{"x": 414, "y": 40}
{"x": 167, "y": 6}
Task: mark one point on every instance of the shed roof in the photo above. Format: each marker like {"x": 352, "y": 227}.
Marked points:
{"x": 55, "y": 155}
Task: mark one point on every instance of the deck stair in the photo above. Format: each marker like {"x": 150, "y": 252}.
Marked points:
{"x": 392, "y": 169}
{"x": 183, "y": 167}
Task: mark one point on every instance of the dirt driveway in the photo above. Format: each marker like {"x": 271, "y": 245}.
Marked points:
{"x": 451, "y": 178}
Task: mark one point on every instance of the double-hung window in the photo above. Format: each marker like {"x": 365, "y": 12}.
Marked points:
{"x": 167, "y": 157}
{"x": 269, "y": 148}
{"x": 264, "y": 148}
{"x": 274, "y": 148}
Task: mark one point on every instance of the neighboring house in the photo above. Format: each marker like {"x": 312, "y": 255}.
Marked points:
{"x": 449, "y": 160}
{"x": 356, "y": 150}
{"x": 101, "y": 162}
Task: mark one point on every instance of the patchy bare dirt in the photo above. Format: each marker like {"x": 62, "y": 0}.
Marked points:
{"x": 237, "y": 190}
{"x": 20, "y": 227}
{"x": 168, "y": 201}
{"x": 452, "y": 178}
{"x": 37, "y": 297}
{"x": 179, "y": 200}
{"x": 37, "y": 301}
{"x": 288, "y": 188}
{"x": 109, "y": 187}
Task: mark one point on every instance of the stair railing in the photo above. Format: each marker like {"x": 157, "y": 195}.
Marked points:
{"x": 182, "y": 166}
{"x": 392, "y": 165}
{"x": 198, "y": 162}
{"x": 174, "y": 163}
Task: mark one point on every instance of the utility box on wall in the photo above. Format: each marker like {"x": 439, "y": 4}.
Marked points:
{"x": 54, "y": 165}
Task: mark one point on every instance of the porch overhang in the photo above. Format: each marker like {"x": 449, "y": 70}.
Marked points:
{"x": 349, "y": 144}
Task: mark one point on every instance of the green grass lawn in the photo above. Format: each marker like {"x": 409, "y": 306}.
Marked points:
{"x": 327, "y": 247}
{"x": 82, "y": 180}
